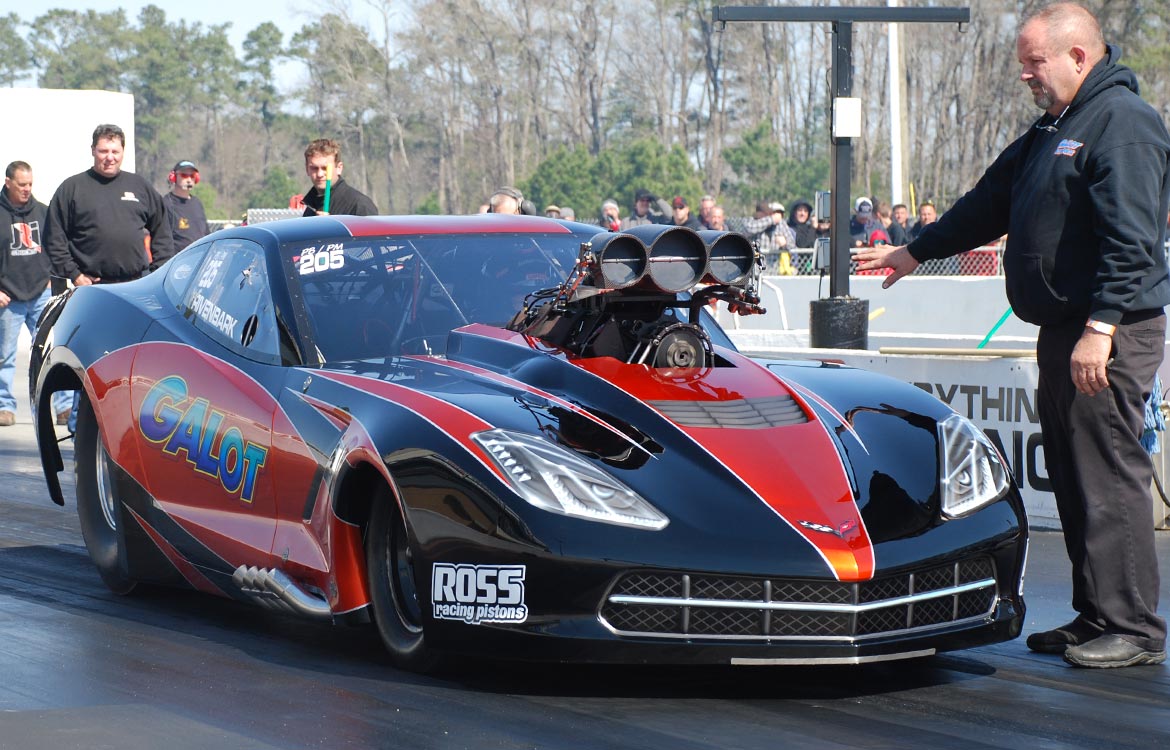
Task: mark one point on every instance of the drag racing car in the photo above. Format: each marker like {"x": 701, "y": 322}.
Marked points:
{"x": 518, "y": 437}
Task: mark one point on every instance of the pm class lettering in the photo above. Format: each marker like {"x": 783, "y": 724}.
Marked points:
{"x": 1009, "y": 404}
{"x": 168, "y": 416}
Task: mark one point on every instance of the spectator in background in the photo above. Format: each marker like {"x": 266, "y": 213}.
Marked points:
{"x": 824, "y": 227}
{"x": 610, "y": 217}
{"x": 774, "y": 236}
{"x": 322, "y": 160}
{"x": 188, "y": 220}
{"x": 568, "y": 214}
{"x": 706, "y": 205}
{"x": 803, "y": 231}
{"x": 926, "y": 216}
{"x": 895, "y": 234}
{"x": 718, "y": 221}
{"x": 552, "y": 211}
{"x": 24, "y": 280}
{"x": 901, "y": 214}
{"x": 505, "y": 200}
{"x": 682, "y": 214}
{"x": 862, "y": 223}
{"x": 99, "y": 222}
{"x": 644, "y": 213}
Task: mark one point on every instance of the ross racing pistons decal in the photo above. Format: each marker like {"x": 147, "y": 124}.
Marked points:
{"x": 476, "y": 594}
{"x": 170, "y": 418}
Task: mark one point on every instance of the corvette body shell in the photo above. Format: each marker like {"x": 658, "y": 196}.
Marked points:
{"x": 254, "y": 442}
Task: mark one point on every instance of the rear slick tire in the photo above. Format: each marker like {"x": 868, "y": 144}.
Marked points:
{"x": 394, "y": 596}
{"x": 99, "y": 508}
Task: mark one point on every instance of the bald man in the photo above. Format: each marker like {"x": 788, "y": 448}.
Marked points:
{"x": 1082, "y": 196}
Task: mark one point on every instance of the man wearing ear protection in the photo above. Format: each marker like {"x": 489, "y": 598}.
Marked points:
{"x": 188, "y": 220}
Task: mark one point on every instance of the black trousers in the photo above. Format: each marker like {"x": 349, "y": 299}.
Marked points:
{"x": 1101, "y": 475}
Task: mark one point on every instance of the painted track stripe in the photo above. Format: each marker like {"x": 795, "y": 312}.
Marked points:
{"x": 185, "y": 567}
{"x": 454, "y": 421}
{"x": 521, "y": 386}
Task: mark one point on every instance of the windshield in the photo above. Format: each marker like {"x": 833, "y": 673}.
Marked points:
{"x": 383, "y": 296}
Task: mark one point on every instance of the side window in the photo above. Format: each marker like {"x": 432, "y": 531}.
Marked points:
{"x": 230, "y": 300}
{"x": 179, "y": 270}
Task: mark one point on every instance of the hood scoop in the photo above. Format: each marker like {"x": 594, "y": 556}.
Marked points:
{"x": 741, "y": 414}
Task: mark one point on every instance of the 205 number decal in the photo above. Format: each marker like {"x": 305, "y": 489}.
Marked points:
{"x": 324, "y": 258}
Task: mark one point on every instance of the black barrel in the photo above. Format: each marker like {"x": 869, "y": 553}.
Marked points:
{"x": 838, "y": 323}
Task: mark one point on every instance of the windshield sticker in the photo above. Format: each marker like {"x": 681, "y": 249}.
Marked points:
{"x": 214, "y": 315}
{"x": 211, "y": 270}
{"x": 324, "y": 258}
{"x": 476, "y": 594}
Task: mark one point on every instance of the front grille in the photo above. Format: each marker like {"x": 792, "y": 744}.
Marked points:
{"x": 743, "y": 414}
{"x": 682, "y": 605}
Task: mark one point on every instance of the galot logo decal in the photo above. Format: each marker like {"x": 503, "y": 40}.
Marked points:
{"x": 169, "y": 417}
{"x": 842, "y": 531}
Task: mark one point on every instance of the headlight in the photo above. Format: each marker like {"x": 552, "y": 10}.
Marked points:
{"x": 973, "y": 474}
{"x": 560, "y": 481}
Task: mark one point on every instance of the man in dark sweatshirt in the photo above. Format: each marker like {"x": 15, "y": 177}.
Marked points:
{"x": 24, "y": 277}
{"x": 1082, "y": 196}
{"x": 323, "y": 165}
{"x": 99, "y": 220}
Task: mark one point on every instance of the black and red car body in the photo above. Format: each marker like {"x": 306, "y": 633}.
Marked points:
{"x": 344, "y": 418}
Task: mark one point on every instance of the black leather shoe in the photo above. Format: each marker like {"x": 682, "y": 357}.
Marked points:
{"x": 1055, "y": 641}
{"x": 1110, "y": 651}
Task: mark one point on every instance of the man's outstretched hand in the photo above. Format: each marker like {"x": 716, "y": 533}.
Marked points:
{"x": 884, "y": 256}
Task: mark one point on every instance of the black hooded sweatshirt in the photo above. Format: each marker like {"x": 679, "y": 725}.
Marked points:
{"x": 24, "y": 266}
{"x": 1083, "y": 199}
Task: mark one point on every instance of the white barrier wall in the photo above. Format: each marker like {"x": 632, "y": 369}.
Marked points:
{"x": 51, "y": 129}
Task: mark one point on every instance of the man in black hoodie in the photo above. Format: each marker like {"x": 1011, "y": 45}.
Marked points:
{"x": 1082, "y": 196}
{"x": 323, "y": 165}
{"x": 24, "y": 277}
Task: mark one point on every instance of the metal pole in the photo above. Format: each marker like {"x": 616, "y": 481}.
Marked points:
{"x": 895, "y": 67}
{"x": 840, "y": 163}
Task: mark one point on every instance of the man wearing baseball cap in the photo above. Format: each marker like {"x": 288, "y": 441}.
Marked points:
{"x": 863, "y": 222}
{"x": 774, "y": 236}
{"x": 681, "y": 214}
{"x": 188, "y": 220}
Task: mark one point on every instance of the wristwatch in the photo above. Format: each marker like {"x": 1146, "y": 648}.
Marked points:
{"x": 1106, "y": 328}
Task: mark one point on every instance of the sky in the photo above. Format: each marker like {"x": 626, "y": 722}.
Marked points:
{"x": 244, "y": 15}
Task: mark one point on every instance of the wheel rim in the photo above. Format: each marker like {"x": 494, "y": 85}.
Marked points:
{"x": 402, "y": 573}
{"x": 105, "y": 485}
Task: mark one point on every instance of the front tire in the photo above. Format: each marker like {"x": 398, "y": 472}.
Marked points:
{"x": 394, "y": 596}
{"x": 98, "y": 506}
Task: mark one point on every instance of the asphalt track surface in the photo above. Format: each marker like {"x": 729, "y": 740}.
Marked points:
{"x": 83, "y": 668}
